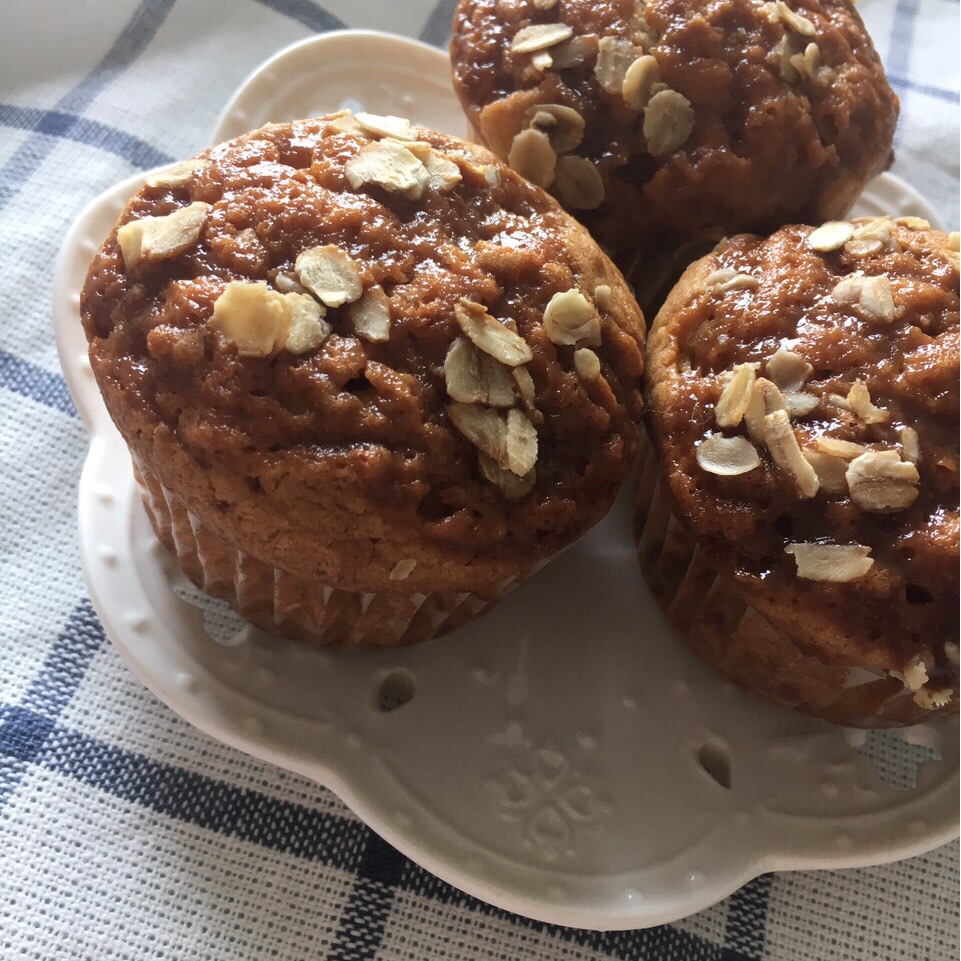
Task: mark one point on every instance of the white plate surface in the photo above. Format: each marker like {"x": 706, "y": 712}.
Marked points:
{"x": 551, "y": 758}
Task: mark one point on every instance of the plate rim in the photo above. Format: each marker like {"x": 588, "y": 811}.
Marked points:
{"x": 83, "y": 389}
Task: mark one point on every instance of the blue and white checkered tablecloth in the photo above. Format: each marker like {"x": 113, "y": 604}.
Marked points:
{"x": 125, "y": 833}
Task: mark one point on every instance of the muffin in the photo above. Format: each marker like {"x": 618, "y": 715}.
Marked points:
{"x": 674, "y": 121}
{"x": 370, "y": 378}
{"x": 797, "y": 507}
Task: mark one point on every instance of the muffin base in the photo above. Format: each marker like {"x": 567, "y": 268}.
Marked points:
{"x": 724, "y": 630}
{"x": 315, "y": 613}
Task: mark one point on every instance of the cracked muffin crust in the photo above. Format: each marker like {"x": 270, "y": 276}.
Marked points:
{"x": 679, "y": 119}
{"x": 802, "y": 402}
{"x": 369, "y": 355}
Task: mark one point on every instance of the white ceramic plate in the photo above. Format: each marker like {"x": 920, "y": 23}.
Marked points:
{"x": 555, "y": 757}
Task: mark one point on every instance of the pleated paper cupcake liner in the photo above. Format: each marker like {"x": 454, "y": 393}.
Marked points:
{"x": 725, "y": 631}
{"x": 279, "y": 602}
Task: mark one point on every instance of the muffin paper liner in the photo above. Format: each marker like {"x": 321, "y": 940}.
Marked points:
{"x": 724, "y": 630}
{"x": 281, "y": 603}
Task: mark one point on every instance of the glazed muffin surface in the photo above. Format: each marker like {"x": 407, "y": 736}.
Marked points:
{"x": 335, "y": 461}
{"x": 858, "y": 344}
{"x": 750, "y": 116}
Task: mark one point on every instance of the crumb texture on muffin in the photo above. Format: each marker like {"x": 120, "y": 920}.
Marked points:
{"x": 332, "y": 339}
{"x": 679, "y": 118}
{"x": 802, "y": 399}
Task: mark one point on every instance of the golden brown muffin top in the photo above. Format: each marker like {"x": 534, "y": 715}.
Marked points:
{"x": 356, "y": 305}
{"x": 686, "y": 118}
{"x": 802, "y": 394}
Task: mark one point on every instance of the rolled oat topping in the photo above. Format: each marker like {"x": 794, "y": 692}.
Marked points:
{"x": 160, "y": 238}
{"x": 473, "y": 377}
{"x": 252, "y": 317}
{"x": 371, "y": 315}
{"x": 640, "y": 76}
{"x": 728, "y": 279}
{"x": 831, "y": 471}
{"x": 830, "y": 236}
{"x": 578, "y": 183}
{"x": 913, "y": 223}
{"x": 521, "y": 442}
{"x": 442, "y": 174}
{"x": 844, "y": 449}
{"x": 675, "y": 155}
{"x": 839, "y": 563}
{"x": 863, "y": 248}
{"x": 858, "y": 401}
{"x": 854, "y": 375}
{"x": 880, "y": 481}
{"x": 388, "y": 126}
{"x": 872, "y": 295}
{"x": 490, "y": 335}
{"x": 587, "y": 364}
{"x": 736, "y": 396}
{"x": 298, "y": 352}
{"x": 668, "y": 122}
{"x": 910, "y": 446}
{"x": 307, "y": 329}
{"x": 525, "y": 387}
{"x": 799, "y": 403}
{"x": 795, "y": 21}
{"x": 388, "y": 164}
{"x": 509, "y": 483}
{"x": 765, "y": 399}
{"x": 575, "y": 52}
{"x": 542, "y": 60}
{"x": 486, "y": 429}
{"x": 540, "y": 36}
{"x": 402, "y": 570}
{"x": 787, "y": 369}
{"x": 175, "y": 176}
{"x": 564, "y": 126}
{"x": 808, "y": 63}
{"x": 533, "y": 157}
{"x": 570, "y": 318}
{"x": 783, "y": 446}
{"x": 330, "y": 274}
{"x": 614, "y": 58}
{"x": 727, "y": 456}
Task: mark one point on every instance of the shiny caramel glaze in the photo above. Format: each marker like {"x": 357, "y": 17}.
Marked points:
{"x": 337, "y": 463}
{"x": 907, "y": 604}
{"x": 764, "y": 151}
